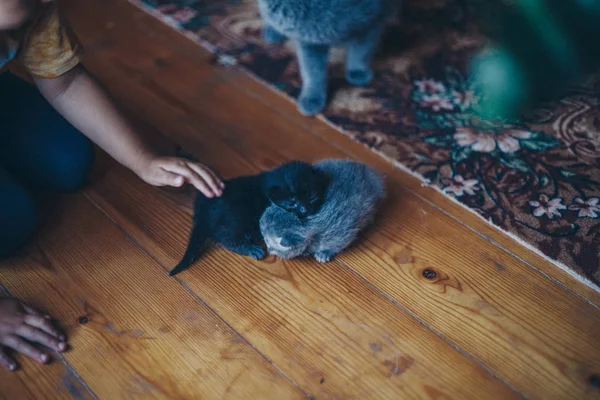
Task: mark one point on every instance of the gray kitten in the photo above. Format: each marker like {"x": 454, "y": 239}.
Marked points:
{"x": 350, "y": 204}
{"x": 315, "y": 25}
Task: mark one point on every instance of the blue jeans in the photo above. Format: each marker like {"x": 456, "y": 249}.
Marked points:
{"x": 38, "y": 149}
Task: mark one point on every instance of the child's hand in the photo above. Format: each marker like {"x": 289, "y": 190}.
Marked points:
{"x": 20, "y": 326}
{"x": 173, "y": 171}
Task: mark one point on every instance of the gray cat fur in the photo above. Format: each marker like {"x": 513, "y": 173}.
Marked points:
{"x": 350, "y": 205}
{"x": 315, "y": 25}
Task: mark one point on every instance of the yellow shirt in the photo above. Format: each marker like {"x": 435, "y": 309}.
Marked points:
{"x": 46, "y": 46}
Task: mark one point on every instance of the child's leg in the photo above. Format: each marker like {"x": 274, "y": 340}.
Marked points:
{"x": 37, "y": 145}
{"x": 17, "y": 214}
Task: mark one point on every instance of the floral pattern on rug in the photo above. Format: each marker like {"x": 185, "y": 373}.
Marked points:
{"x": 537, "y": 178}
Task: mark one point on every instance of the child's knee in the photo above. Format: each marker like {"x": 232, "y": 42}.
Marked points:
{"x": 18, "y": 218}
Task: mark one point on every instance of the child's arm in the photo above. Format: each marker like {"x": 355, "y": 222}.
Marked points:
{"x": 82, "y": 102}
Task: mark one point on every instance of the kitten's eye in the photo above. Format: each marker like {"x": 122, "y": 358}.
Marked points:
{"x": 314, "y": 198}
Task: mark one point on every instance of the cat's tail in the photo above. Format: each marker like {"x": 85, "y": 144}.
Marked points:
{"x": 199, "y": 235}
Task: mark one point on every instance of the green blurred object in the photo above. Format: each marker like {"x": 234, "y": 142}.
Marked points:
{"x": 541, "y": 47}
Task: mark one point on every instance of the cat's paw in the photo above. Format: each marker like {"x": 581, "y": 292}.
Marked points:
{"x": 323, "y": 256}
{"x": 311, "y": 105}
{"x": 270, "y": 35}
{"x": 359, "y": 77}
{"x": 257, "y": 252}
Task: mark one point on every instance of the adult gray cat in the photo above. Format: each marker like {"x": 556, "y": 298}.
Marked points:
{"x": 315, "y": 25}
{"x": 350, "y": 203}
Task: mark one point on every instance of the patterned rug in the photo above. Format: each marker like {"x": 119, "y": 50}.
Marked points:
{"x": 537, "y": 178}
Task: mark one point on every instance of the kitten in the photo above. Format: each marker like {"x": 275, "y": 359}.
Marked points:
{"x": 232, "y": 220}
{"x": 315, "y": 25}
{"x": 350, "y": 203}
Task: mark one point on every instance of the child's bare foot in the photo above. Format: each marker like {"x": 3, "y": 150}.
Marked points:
{"x": 21, "y": 324}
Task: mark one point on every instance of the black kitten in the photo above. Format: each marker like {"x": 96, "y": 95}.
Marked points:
{"x": 232, "y": 220}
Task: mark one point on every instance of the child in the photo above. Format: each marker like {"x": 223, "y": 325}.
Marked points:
{"x": 38, "y": 147}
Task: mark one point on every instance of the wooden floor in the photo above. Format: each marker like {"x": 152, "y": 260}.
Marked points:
{"x": 497, "y": 321}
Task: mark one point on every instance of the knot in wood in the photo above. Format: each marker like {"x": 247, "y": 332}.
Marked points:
{"x": 83, "y": 320}
{"x": 428, "y": 273}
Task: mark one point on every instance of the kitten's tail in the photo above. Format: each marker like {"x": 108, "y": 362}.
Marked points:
{"x": 198, "y": 237}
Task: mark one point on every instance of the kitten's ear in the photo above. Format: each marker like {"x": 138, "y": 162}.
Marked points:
{"x": 277, "y": 194}
{"x": 291, "y": 240}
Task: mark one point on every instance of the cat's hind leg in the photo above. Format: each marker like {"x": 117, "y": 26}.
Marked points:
{"x": 313, "y": 69}
{"x": 271, "y": 35}
{"x": 360, "y": 53}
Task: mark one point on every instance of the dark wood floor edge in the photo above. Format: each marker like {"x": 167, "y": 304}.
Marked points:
{"x": 62, "y": 359}
{"x": 306, "y": 127}
{"x": 455, "y": 346}
{"x": 77, "y": 376}
{"x": 200, "y": 299}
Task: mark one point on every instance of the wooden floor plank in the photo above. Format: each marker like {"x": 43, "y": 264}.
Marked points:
{"x": 112, "y": 25}
{"x": 325, "y": 328}
{"x": 32, "y": 380}
{"x": 134, "y": 332}
{"x": 35, "y": 381}
{"x": 458, "y": 212}
{"x": 498, "y": 295}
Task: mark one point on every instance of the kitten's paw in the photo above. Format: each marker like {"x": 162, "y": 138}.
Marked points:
{"x": 257, "y": 252}
{"x": 270, "y": 35}
{"x": 323, "y": 256}
{"x": 311, "y": 105}
{"x": 359, "y": 77}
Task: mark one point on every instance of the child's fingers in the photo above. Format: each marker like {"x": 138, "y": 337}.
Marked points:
{"x": 192, "y": 177}
{"x": 162, "y": 177}
{"x": 31, "y": 310}
{"x": 209, "y": 177}
{"x": 20, "y": 345}
{"x": 216, "y": 177}
{"x": 38, "y": 336}
{"x": 202, "y": 169}
{"x": 6, "y": 361}
{"x": 45, "y": 325}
